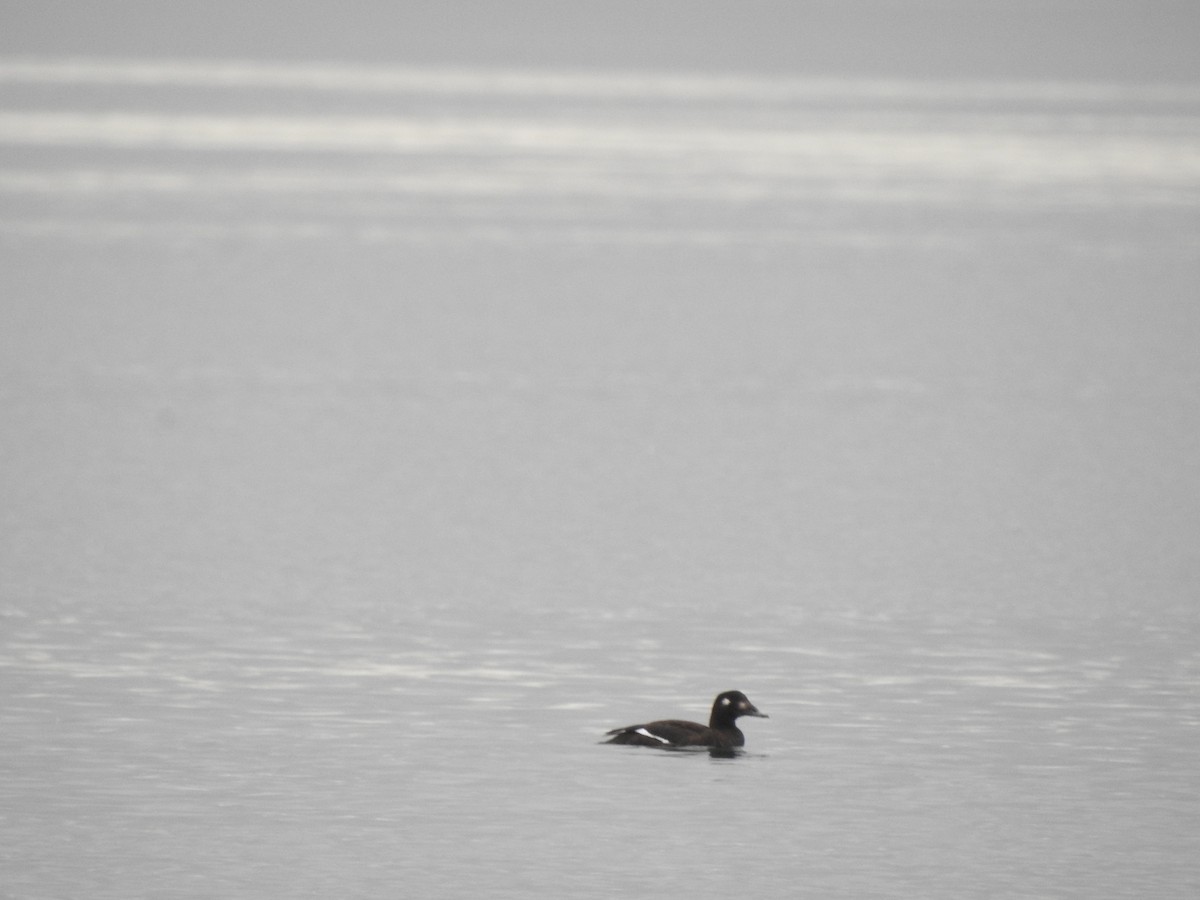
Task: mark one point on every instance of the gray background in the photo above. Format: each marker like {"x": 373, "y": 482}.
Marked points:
{"x": 396, "y": 397}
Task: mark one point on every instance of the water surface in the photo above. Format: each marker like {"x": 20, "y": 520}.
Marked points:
{"x": 378, "y": 437}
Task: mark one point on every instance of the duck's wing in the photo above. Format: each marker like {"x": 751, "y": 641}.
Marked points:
{"x": 664, "y": 733}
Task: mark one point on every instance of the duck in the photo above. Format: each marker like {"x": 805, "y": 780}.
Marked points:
{"x": 721, "y": 732}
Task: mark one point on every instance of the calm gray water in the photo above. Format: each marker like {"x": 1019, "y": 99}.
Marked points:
{"x": 377, "y": 437}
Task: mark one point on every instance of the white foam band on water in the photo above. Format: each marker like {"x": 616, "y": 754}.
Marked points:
{"x": 736, "y": 160}
{"x": 561, "y": 83}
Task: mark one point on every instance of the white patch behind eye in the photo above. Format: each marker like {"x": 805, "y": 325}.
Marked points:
{"x": 725, "y": 701}
{"x": 651, "y": 734}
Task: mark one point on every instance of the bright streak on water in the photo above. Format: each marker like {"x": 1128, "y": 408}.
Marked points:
{"x": 765, "y": 150}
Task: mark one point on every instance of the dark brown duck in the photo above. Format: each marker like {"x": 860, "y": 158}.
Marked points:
{"x": 720, "y": 733}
